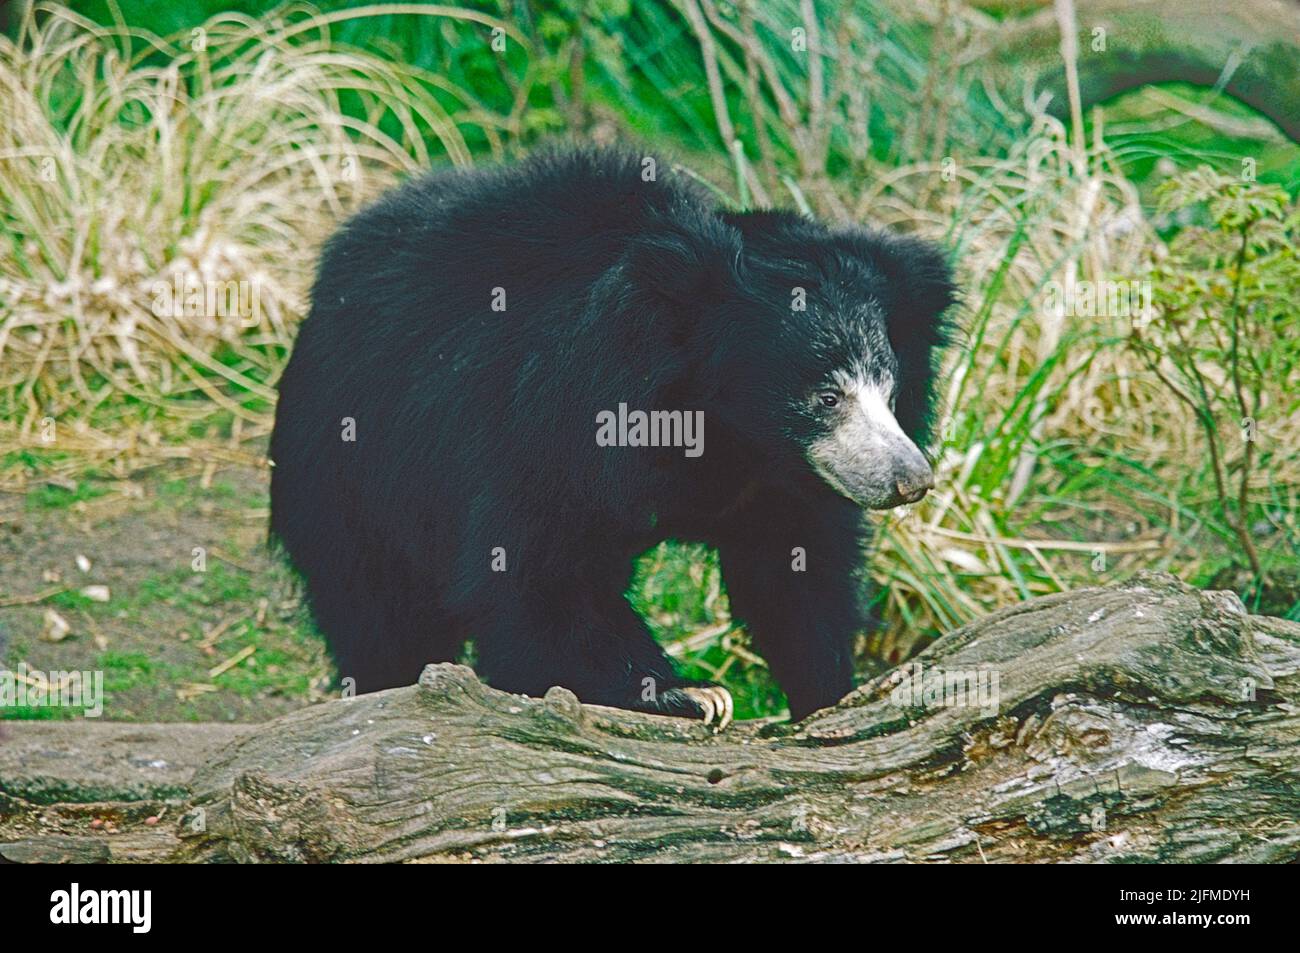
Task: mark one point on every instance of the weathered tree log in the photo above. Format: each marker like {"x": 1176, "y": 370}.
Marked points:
{"x": 1249, "y": 48}
{"x": 1145, "y": 721}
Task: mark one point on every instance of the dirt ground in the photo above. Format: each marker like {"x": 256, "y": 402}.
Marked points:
{"x": 160, "y": 578}
{"x": 164, "y": 583}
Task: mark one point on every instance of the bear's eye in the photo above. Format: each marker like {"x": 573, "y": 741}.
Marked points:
{"x": 829, "y": 398}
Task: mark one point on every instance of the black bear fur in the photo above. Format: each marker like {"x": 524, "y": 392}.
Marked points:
{"x": 475, "y": 428}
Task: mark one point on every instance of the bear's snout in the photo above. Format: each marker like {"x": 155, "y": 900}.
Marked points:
{"x": 914, "y": 482}
{"x": 911, "y": 476}
{"x": 867, "y": 457}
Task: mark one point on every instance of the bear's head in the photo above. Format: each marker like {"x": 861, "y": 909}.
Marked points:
{"x": 817, "y": 345}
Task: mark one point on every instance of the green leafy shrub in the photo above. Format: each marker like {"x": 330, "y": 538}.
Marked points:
{"x": 1223, "y": 340}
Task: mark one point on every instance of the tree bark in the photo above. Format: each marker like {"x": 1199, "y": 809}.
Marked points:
{"x": 1146, "y": 721}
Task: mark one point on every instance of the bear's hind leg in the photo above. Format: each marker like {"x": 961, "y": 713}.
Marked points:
{"x": 381, "y": 637}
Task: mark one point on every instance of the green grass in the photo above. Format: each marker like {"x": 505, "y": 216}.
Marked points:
{"x": 50, "y": 496}
{"x": 39, "y": 713}
{"x": 1142, "y": 150}
{"x": 677, "y": 589}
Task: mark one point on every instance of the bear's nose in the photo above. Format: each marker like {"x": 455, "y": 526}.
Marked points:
{"x": 915, "y": 485}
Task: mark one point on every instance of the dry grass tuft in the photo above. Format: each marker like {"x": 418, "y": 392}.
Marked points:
{"x": 213, "y": 164}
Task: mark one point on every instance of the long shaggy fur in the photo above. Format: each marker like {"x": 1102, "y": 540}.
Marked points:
{"x": 475, "y": 428}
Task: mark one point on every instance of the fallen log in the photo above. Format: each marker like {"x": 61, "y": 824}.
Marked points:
{"x": 1146, "y": 721}
{"x": 1246, "y": 49}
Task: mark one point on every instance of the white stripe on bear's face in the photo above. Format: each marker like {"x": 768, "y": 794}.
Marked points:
{"x": 875, "y": 402}
{"x": 866, "y": 456}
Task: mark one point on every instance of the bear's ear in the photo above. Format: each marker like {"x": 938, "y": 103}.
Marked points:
{"x": 685, "y": 265}
{"x": 921, "y": 293}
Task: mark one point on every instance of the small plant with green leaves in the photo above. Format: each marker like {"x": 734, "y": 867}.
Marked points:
{"x": 1222, "y": 340}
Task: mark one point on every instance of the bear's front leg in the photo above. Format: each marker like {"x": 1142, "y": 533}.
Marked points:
{"x": 596, "y": 647}
{"x": 704, "y": 700}
{"x": 793, "y": 572}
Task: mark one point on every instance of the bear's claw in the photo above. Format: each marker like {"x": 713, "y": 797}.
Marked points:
{"x": 714, "y": 701}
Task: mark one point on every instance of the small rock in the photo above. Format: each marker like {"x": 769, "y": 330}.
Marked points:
{"x": 56, "y": 627}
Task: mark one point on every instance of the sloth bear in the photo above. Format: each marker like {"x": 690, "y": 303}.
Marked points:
{"x": 514, "y": 380}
